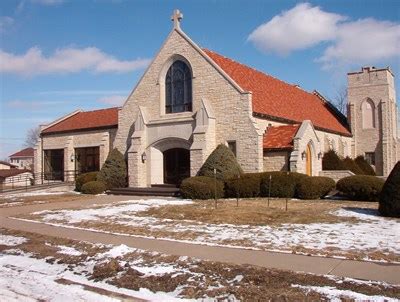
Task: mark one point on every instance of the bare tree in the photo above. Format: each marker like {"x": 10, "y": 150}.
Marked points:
{"x": 340, "y": 100}
{"x": 32, "y": 137}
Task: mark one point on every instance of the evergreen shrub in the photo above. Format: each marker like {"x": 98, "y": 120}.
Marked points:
{"x": 283, "y": 184}
{"x": 84, "y": 178}
{"x": 224, "y": 161}
{"x": 364, "y": 165}
{"x": 201, "y": 187}
{"x": 361, "y": 187}
{"x": 351, "y": 165}
{"x": 114, "y": 172}
{"x": 93, "y": 187}
{"x": 314, "y": 187}
{"x": 389, "y": 201}
{"x": 331, "y": 161}
{"x": 248, "y": 185}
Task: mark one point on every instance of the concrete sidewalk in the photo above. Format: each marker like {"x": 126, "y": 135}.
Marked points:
{"x": 310, "y": 264}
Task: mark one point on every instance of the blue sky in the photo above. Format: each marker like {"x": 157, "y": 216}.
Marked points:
{"x": 57, "y": 56}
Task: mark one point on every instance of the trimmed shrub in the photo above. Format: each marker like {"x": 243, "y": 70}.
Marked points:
{"x": 389, "y": 202}
{"x": 201, "y": 187}
{"x": 331, "y": 161}
{"x": 283, "y": 184}
{"x": 224, "y": 161}
{"x": 84, "y": 178}
{"x": 364, "y": 165}
{"x": 314, "y": 187}
{"x": 351, "y": 165}
{"x": 113, "y": 173}
{"x": 361, "y": 187}
{"x": 93, "y": 187}
{"x": 248, "y": 185}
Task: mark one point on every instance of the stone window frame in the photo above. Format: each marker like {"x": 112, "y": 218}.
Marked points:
{"x": 370, "y": 102}
{"x": 161, "y": 83}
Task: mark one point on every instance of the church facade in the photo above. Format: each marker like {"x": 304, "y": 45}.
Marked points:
{"x": 191, "y": 99}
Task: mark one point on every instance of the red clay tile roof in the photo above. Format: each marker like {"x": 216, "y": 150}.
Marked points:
{"x": 275, "y": 98}
{"x": 280, "y": 137}
{"x": 27, "y": 152}
{"x": 12, "y": 172}
{"x": 103, "y": 118}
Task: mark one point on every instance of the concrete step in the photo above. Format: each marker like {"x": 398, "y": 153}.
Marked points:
{"x": 166, "y": 191}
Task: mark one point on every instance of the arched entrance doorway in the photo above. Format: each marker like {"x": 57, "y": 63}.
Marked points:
{"x": 176, "y": 165}
{"x": 308, "y": 160}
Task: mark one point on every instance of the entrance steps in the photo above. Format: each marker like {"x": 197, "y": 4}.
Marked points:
{"x": 164, "y": 190}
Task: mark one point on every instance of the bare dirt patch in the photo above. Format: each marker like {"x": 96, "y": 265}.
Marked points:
{"x": 191, "y": 278}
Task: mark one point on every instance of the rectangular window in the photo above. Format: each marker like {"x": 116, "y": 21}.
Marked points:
{"x": 232, "y": 147}
{"x": 370, "y": 157}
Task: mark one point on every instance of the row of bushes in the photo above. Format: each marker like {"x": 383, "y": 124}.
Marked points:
{"x": 282, "y": 185}
{"x": 112, "y": 175}
{"x": 273, "y": 184}
{"x": 359, "y": 165}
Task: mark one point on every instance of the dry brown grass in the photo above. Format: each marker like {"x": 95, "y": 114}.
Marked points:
{"x": 197, "y": 277}
{"x": 25, "y": 200}
{"x": 257, "y": 212}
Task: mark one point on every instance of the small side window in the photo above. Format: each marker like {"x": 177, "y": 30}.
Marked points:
{"x": 232, "y": 146}
{"x": 370, "y": 158}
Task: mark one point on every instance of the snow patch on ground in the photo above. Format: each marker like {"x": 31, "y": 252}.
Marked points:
{"x": 117, "y": 251}
{"x": 370, "y": 232}
{"x": 11, "y": 240}
{"x": 67, "y": 250}
{"x": 334, "y": 294}
{"x": 113, "y": 210}
{"x": 29, "y": 279}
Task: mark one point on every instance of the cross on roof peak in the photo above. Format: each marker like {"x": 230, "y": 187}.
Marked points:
{"x": 177, "y": 17}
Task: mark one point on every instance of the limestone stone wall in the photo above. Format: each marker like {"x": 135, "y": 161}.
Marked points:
{"x": 336, "y": 175}
{"x": 306, "y": 136}
{"x": 231, "y": 105}
{"x": 276, "y": 160}
{"x": 339, "y": 143}
{"x": 69, "y": 141}
{"x": 377, "y": 87}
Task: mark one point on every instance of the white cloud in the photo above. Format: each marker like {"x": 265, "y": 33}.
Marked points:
{"x": 363, "y": 41}
{"x": 32, "y": 105}
{"x": 47, "y": 2}
{"x": 82, "y": 92}
{"x": 5, "y": 23}
{"x": 114, "y": 100}
{"x": 65, "y": 60}
{"x": 299, "y": 28}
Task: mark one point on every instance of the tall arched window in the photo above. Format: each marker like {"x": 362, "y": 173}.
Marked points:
{"x": 368, "y": 114}
{"x": 178, "y": 88}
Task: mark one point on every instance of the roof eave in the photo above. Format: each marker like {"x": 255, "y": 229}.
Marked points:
{"x": 80, "y": 130}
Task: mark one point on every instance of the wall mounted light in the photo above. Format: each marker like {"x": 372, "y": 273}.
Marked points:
{"x": 144, "y": 157}
{"x": 72, "y": 157}
{"x": 303, "y": 155}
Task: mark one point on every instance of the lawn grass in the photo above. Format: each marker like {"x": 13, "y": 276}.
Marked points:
{"x": 257, "y": 212}
{"x": 5, "y": 200}
{"x": 196, "y": 278}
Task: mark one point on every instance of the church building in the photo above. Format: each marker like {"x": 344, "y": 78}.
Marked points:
{"x": 190, "y": 99}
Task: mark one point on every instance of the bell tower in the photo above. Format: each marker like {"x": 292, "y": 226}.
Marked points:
{"x": 372, "y": 114}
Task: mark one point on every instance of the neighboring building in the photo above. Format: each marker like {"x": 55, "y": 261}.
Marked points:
{"x": 23, "y": 159}
{"x": 6, "y": 166}
{"x": 190, "y": 99}
{"x": 10, "y": 178}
